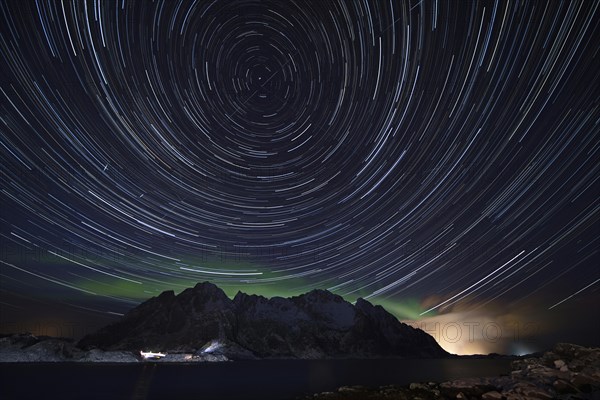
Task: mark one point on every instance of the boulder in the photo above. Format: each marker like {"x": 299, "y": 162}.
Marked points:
{"x": 493, "y": 395}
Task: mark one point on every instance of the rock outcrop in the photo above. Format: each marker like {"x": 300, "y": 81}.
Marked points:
{"x": 566, "y": 372}
{"x": 318, "y": 324}
{"x": 30, "y": 348}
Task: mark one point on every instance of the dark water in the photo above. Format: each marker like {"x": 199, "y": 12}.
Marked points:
{"x": 268, "y": 379}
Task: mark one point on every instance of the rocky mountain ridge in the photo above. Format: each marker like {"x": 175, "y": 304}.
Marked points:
{"x": 318, "y": 324}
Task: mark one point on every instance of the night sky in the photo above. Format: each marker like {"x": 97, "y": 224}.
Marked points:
{"x": 438, "y": 158}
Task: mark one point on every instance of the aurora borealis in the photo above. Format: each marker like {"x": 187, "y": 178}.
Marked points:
{"x": 438, "y": 158}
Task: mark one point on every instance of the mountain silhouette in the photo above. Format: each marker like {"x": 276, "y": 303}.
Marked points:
{"x": 317, "y": 324}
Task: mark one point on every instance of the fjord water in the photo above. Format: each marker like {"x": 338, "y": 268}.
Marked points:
{"x": 264, "y": 379}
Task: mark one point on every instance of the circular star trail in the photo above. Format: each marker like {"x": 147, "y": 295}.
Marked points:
{"x": 384, "y": 149}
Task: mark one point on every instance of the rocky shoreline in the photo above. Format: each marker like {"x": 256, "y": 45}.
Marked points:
{"x": 27, "y": 348}
{"x": 568, "y": 371}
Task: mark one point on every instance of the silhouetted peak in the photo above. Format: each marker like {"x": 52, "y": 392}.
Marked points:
{"x": 321, "y": 295}
{"x": 206, "y": 287}
{"x": 363, "y": 304}
{"x": 208, "y": 290}
{"x": 166, "y": 295}
{"x": 241, "y": 297}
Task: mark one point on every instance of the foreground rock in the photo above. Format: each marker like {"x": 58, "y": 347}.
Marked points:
{"x": 30, "y": 348}
{"x": 566, "y": 372}
{"x": 204, "y": 321}
{"x": 24, "y": 348}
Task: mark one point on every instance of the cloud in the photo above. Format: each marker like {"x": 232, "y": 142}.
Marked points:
{"x": 472, "y": 329}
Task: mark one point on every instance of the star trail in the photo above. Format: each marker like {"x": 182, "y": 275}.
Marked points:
{"x": 432, "y": 157}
